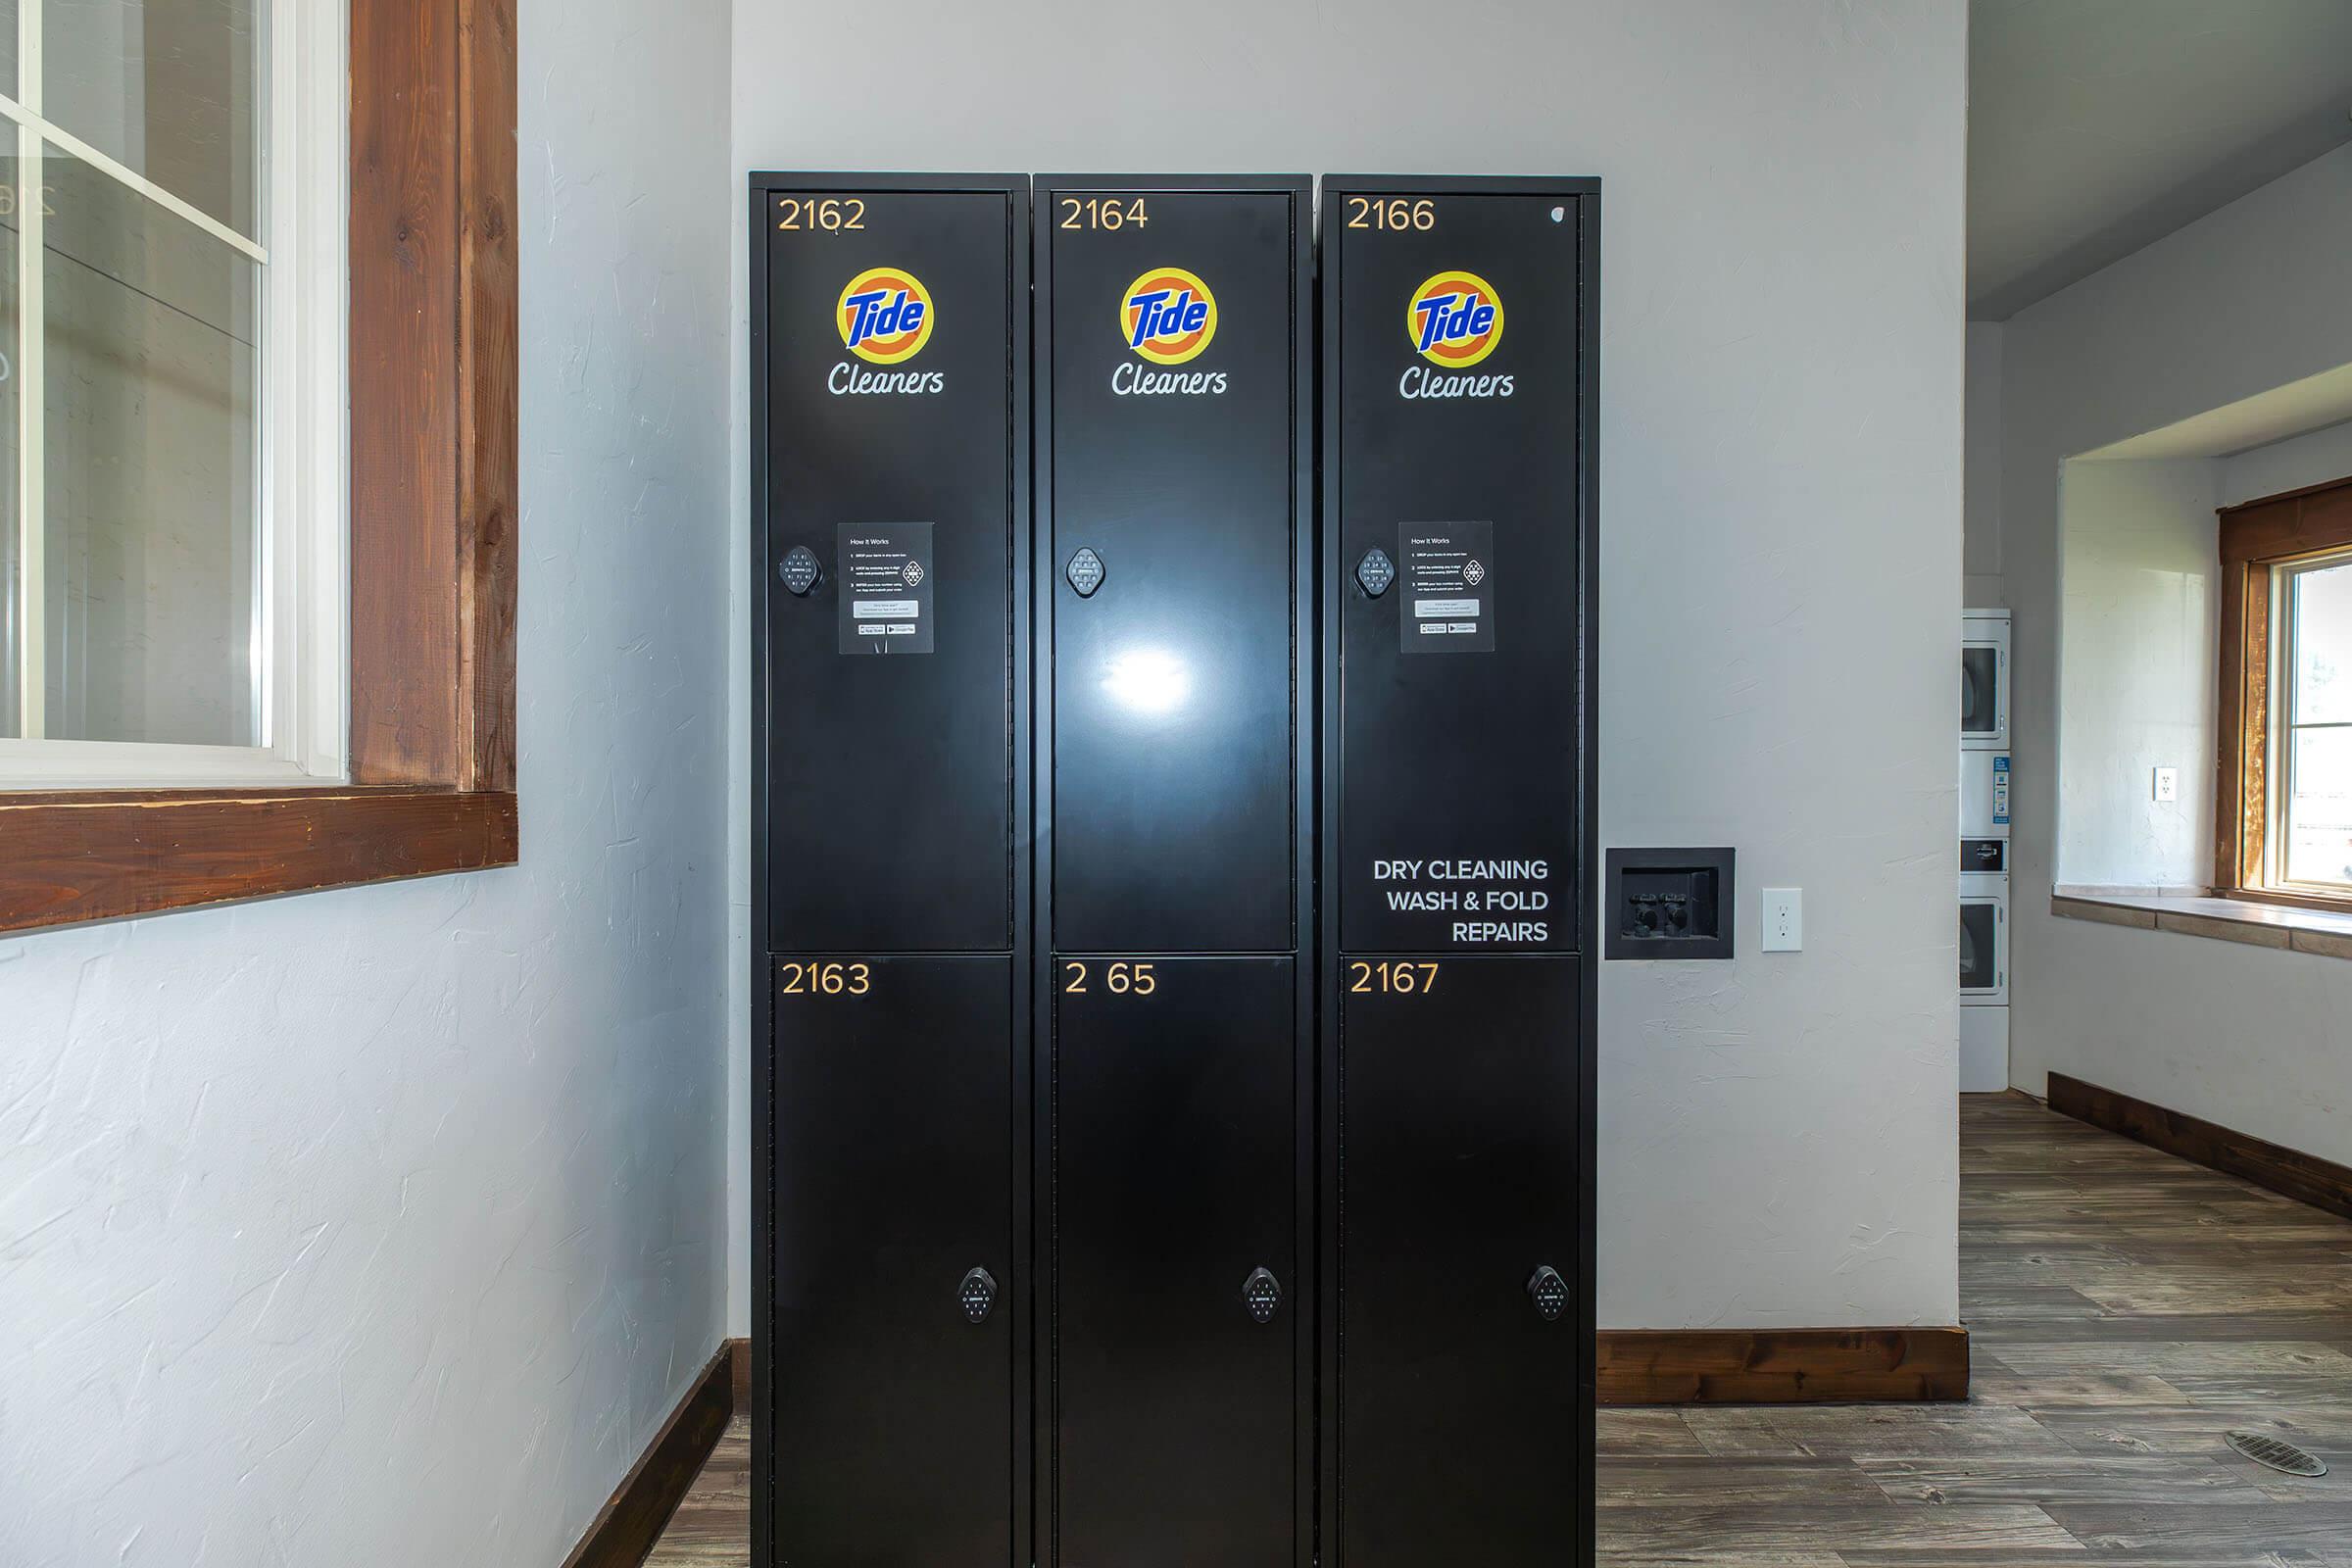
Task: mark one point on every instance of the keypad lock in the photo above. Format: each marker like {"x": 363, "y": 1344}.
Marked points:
{"x": 1375, "y": 572}
{"x": 801, "y": 570}
{"x": 1261, "y": 1292}
{"x": 1549, "y": 1292}
{"x": 977, "y": 1296}
{"x": 1086, "y": 572}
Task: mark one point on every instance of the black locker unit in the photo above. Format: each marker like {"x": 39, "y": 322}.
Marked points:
{"x": 1174, "y": 873}
{"x": 891, "y": 965}
{"x": 1460, "y": 334}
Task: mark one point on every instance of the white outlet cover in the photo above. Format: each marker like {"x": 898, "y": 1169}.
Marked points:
{"x": 2168, "y": 784}
{"x": 1783, "y": 919}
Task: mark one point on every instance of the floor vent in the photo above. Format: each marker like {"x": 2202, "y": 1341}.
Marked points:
{"x": 2275, "y": 1453}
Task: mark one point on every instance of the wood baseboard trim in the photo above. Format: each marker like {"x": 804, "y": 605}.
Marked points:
{"x": 627, "y": 1529}
{"x": 2288, "y": 1172}
{"x": 739, "y": 1357}
{"x": 1783, "y": 1366}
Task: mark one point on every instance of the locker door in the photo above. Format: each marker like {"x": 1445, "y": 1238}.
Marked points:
{"x": 1174, "y": 470}
{"x": 1458, "y": 717}
{"x": 1460, "y": 1411}
{"x": 1173, "y": 1180}
{"x": 890, "y": 1361}
{"x": 889, "y": 720}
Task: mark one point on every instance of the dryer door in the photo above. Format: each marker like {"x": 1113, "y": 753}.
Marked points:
{"x": 1985, "y": 685}
{"x": 1984, "y": 948}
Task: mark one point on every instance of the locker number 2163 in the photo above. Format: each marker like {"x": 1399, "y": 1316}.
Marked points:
{"x": 816, "y": 979}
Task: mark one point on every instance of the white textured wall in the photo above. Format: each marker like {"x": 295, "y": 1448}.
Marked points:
{"x": 1780, "y": 459}
{"x": 1981, "y": 474}
{"x": 2245, "y": 300}
{"x": 384, "y": 1226}
{"x": 2312, "y": 459}
{"x": 2141, "y": 619}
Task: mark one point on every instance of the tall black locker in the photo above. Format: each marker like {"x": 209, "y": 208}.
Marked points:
{"x": 891, "y": 979}
{"x": 1174, "y": 878}
{"x": 1459, "y": 375}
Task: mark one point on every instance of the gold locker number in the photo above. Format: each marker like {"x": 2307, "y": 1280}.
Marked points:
{"x": 833, "y": 213}
{"x": 1397, "y": 213}
{"x": 1102, "y": 212}
{"x": 1120, "y": 979}
{"x": 1399, "y": 979}
{"x": 825, "y": 979}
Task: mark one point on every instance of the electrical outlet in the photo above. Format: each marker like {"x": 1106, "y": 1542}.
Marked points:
{"x": 2168, "y": 784}
{"x": 1783, "y": 919}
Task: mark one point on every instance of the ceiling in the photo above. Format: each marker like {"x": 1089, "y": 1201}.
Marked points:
{"x": 2097, "y": 127}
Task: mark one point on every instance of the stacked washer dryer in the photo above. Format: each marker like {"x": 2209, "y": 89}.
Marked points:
{"x": 1984, "y": 851}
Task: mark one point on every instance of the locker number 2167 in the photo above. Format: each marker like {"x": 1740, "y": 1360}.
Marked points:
{"x": 1404, "y": 979}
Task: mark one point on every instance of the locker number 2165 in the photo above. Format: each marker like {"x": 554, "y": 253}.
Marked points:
{"x": 1122, "y": 979}
{"x": 828, "y": 979}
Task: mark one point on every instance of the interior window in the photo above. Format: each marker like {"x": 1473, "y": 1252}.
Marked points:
{"x": 2315, "y": 730}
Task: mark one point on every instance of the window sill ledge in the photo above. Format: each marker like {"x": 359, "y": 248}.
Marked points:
{"x": 2257, "y": 925}
{"x": 101, "y": 855}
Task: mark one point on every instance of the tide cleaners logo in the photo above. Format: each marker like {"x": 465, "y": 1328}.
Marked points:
{"x": 1453, "y": 320}
{"x": 1167, "y": 316}
{"x": 885, "y": 317}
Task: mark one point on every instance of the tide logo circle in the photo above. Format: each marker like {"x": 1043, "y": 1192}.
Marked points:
{"x": 1168, "y": 315}
{"x": 885, "y": 315}
{"x": 1454, "y": 320}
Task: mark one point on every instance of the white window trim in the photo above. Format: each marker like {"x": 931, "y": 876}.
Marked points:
{"x": 303, "y": 639}
{"x": 2285, "y": 667}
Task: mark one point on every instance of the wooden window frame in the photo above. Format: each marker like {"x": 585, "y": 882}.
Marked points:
{"x": 434, "y": 486}
{"x": 2257, "y": 536}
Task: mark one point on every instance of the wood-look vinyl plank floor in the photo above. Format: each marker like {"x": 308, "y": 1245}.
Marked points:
{"x": 2126, "y": 1309}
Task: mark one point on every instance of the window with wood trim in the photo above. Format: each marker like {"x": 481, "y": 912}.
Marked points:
{"x": 258, "y": 297}
{"x": 2284, "y": 833}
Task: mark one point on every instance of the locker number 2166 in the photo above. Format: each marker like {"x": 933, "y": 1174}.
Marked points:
{"x": 824, "y": 979}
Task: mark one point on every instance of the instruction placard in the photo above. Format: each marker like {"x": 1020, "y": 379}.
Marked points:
{"x": 886, "y": 573}
{"x": 1447, "y": 570}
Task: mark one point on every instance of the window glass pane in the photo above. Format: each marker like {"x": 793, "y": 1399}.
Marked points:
{"x": 2324, "y": 646}
{"x": 2319, "y": 836}
{"x": 172, "y": 88}
{"x": 8, "y": 48}
{"x": 151, "y": 447}
{"x": 12, "y": 583}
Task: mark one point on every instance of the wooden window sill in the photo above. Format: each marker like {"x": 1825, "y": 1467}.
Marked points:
{"x": 104, "y": 855}
{"x": 2326, "y": 933}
